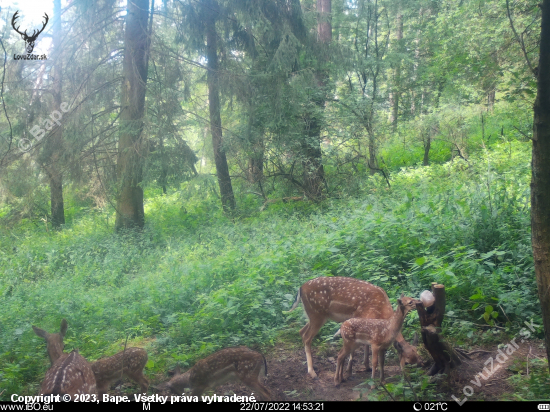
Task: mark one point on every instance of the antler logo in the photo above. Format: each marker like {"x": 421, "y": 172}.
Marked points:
{"x": 32, "y": 38}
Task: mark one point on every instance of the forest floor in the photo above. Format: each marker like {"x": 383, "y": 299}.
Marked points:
{"x": 288, "y": 378}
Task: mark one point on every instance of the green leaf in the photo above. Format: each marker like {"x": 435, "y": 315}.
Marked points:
{"x": 333, "y": 250}
{"x": 494, "y": 314}
{"x": 420, "y": 261}
{"x": 488, "y": 308}
{"x": 475, "y": 305}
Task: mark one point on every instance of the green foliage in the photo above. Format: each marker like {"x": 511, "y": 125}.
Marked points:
{"x": 416, "y": 386}
{"x": 531, "y": 380}
{"x": 199, "y": 281}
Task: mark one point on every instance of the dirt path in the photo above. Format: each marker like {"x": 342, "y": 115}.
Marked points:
{"x": 288, "y": 378}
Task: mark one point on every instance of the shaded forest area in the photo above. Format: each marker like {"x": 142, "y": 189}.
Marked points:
{"x": 171, "y": 172}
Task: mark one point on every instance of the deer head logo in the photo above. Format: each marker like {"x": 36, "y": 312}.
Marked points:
{"x": 28, "y": 39}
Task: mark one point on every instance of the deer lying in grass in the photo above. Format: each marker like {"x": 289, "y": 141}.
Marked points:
{"x": 339, "y": 299}
{"x": 379, "y": 333}
{"x": 129, "y": 363}
{"x": 231, "y": 364}
{"x": 70, "y": 373}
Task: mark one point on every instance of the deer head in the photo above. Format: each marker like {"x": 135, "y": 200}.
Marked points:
{"x": 54, "y": 341}
{"x": 28, "y": 39}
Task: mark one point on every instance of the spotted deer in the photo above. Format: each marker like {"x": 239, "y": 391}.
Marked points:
{"x": 70, "y": 374}
{"x": 401, "y": 351}
{"x": 378, "y": 333}
{"x": 231, "y": 364}
{"x": 130, "y": 363}
{"x": 340, "y": 299}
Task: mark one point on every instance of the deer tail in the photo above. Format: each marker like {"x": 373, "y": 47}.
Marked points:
{"x": 297, "y": 301}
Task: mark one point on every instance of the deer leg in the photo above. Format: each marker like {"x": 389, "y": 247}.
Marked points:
{"x": 142, "y": 381}
{"x": 307, "y": 337}
{"x": 102, "y": 390}
{"x": 366, "y": 359}
{"x": 304, "y": 330}
{"x": 259, "y": 388}
{"x": 375, "y": 358}
{"x": 381, "y": 358}
{"x": 198, "y": 390}
{"x": 338, "y": 376}
{"x": 348, "y": 370}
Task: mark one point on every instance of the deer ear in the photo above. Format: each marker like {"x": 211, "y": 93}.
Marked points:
{"x": 40, "y": 332}
{"x": 402, "y": 296}
{"x": 63, "y": 328}
{"x": 415, "y": 340}
{"x": 177, "y": 371}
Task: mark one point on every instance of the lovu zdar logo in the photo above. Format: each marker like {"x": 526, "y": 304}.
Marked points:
{"x": 29, "y": 40}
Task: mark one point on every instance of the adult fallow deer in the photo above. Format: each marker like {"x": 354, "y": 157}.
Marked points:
{"x": 340, "y": 299}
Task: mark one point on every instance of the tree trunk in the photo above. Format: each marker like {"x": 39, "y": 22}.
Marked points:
{"x": 540, "y": 181}
{"x": 54, "y": 146}
{"x": 313, "y": 171}
{"x": 373, "y": 164}
{"x": 490, "y": 100}
{"x": 163, "y": 166}
{"x": 427, "y": 145}
{"x": 222, "y": 169}
{"x": 313, "y": 174}
{"x": 395, "y": 95}
{"x": 443, "y": 354}
{"x": 256, "y": 167}
{"x": 130, "y": 153}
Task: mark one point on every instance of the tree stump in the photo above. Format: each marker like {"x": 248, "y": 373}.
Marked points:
{"x": 443, "y": 354}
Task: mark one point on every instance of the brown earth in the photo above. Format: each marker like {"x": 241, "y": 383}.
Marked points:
{"x": 288, "y": 379}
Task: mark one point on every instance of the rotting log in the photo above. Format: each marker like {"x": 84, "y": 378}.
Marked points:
{"x": 431, "y": 319}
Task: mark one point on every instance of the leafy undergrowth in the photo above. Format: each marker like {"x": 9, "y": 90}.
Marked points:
{"x": 195, "y": 281}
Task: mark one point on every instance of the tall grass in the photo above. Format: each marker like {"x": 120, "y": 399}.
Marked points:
{"x": 194, "y": 281}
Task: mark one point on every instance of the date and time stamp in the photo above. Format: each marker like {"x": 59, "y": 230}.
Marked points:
{"x": 243, "y": 403}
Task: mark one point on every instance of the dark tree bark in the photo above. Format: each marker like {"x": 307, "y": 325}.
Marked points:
{"x": 427, "y": 146}
{"x": 163, "y": 166}
{"x": 55, "y": 143}
{"x": 256, "y": 168}
{"x": 396, "y": 93}
{"x": 443, "y": 354}
{"x": 222, "y": 169}
{"x": 491, "y": 100}
{"x": 540, "y": 181}
{"x": 313, "y": 171}
{"x": 130, "y": 152}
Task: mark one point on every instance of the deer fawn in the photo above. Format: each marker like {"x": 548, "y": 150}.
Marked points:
{"x": 402, "y": 352}
{"x": 71, "y": 374}
{"x": 340, "y": 299}
{"x": 54, "y": 341}
{"x": 379, "y": 333}
{"x": 129, "y": 362}
{"x": 231, "y": 364}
